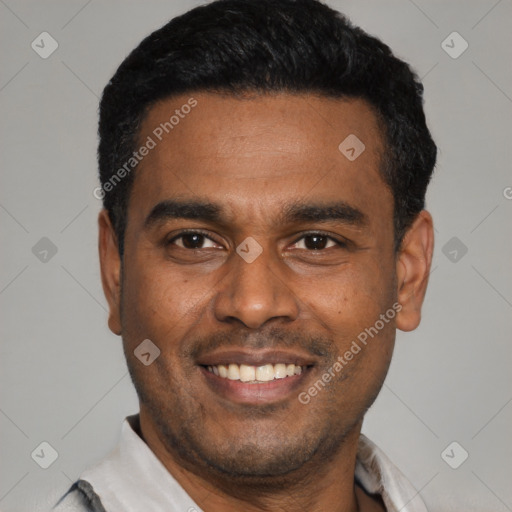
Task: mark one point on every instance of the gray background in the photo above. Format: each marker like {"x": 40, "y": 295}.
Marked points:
{"x": 63, "y": 378}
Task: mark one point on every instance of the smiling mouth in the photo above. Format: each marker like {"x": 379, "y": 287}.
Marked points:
{"x": 255, "y": 374}
{"x": 253, "y": 377}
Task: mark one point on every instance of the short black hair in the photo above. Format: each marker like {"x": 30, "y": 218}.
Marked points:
{"x": 268, "y": 46}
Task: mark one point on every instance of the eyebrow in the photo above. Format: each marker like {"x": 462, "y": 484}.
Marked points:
{"x": 207, "y": 211}
{"x": 174, "y": 209}
{"x": 339, "y": 211}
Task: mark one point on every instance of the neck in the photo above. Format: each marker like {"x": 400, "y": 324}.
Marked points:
{"x": 324, "y": 485}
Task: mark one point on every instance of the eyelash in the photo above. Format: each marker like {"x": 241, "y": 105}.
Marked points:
{"x": 190, "y": 232}
{"x": 340, "y": 243}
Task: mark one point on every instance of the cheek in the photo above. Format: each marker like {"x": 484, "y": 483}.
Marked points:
{"x": 352, "y": 299}
{"x": 369, "y": 321}
{"x": 351, "y": 306}
{"x": 157, "y": 303}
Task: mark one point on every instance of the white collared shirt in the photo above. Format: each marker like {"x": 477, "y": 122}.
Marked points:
{"x": 132, "y": 479}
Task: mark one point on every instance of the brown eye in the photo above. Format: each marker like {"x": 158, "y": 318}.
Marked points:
{"x": 316, "y": 242}
{"x": 192, "y": 240}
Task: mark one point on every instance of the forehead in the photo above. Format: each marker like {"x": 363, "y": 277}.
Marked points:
{"x": 255, "y": 154}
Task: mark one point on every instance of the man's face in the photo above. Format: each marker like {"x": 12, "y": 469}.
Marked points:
{"x": 264, "y": 174}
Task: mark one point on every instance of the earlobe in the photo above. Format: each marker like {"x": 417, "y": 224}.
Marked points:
{"x": 110, "y": 264}
{"x": 413, "y": 270}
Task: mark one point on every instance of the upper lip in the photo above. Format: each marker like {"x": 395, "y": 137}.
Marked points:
{"x": 255, "y": 357}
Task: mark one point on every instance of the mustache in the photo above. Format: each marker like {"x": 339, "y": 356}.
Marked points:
{"x": 273, "y": 338}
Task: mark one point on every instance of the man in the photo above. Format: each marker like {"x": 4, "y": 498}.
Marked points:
{"x": 264, "y": 167}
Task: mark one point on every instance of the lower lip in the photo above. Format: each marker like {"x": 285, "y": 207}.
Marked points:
{"x": 256, "y": 393}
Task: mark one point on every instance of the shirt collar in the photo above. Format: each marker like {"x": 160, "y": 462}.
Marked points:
{"x": 121, "y": 478}
{"x": 376, "y": 474}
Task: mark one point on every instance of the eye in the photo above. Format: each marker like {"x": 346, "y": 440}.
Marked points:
{"x": 317, "y": 242}
{"x": 193, "y": 240}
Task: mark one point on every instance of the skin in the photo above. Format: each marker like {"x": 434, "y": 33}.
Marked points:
{"x": 308, "y": 296}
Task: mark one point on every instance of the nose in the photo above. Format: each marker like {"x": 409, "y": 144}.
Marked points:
{"x": 255, "y": 293}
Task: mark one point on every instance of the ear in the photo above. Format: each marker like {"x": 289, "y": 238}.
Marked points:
{"x": 110, "y": 264}
{"x": 413, "y": 270}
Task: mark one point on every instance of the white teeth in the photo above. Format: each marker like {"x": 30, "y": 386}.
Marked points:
{"x": 290, "y": 370}
{"x": 247, "y": 373}
{"x": 265, "y": 373}
{"x": 280, "y": 371}
{"x": 254, "y": 374}
{"x": 233, "y": 372}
